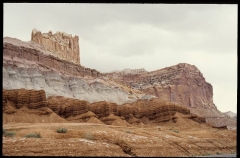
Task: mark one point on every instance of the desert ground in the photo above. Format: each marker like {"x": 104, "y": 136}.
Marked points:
{"x": 90, "y": 139}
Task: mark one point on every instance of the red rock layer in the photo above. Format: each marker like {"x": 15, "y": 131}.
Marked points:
{"x": 34, "y": 55}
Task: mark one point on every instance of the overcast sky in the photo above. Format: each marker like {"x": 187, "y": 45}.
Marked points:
{"x": 150, "y": 36}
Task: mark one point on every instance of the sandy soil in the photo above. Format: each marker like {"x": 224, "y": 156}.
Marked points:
{"x": 88, "y": 139}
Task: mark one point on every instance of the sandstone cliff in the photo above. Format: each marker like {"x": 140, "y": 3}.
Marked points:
{"x": 31, "y": 106}
{"x": 27, "y": 66}
{"x": 142, "y": 112}
{"x": 34, "y": 66}
{"x": 181, "y": 83}
{"x": 30, "y": 52}
{"x": 63, "y": 45}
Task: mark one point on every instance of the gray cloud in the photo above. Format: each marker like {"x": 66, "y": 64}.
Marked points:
{"x": 150, "y": 36}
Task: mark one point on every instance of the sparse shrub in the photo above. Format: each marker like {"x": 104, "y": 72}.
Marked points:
{"x": 33, "y": 135}
{"x": 89, "y": 135}
{"x": 128, "y": 131}
{"x": 9, "y": 134}
{"x": 61, "y": 130}
{"x": 217, "y": 153}
{"x": 4, "y": 131}
{"x": 176, "y": 131}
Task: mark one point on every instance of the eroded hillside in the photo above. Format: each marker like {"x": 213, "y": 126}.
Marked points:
{"x": 144, "y": 128}
{"x": 183, "y": 84}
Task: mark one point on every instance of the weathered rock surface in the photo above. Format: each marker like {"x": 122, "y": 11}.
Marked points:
{"x": 28, "y": 66}
{"x": 21, "y": 106}
{"x": 31, "y": 53}
{"x": 129, "y": 71}
{"x": 33, "y": 99}
{"x": 181, "y": 83}
{"x": 231, "y": 114}
{"x": 142, "y": 112}
{"x": 63, "y": 45}
{"x": 54, "y": 83}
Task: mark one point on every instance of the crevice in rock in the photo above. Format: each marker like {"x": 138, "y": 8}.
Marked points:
{"x": 125, "y": 147}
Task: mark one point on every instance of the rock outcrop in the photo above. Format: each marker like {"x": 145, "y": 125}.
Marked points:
{"x": 20, "y": 74}
{"x": 48, "y": 63}
{"x": 231, "y": 114}
{"x": 129, "y": 71}
{"x": 150, "y": 112}
{"x": 182, "y": 83}
{"x": 27, "y": 106}
{"x": 30, "y": 52}
{"x": 63, "y": 45}
{"x": 32, "y": 99}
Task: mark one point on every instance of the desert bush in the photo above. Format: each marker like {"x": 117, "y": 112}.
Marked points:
{"x": 8, "y": 133}
{"x": 128, "y": 131}
{"x": 176, "y": 131}
{"x": 33, "y": 135}
{"x": 89, "y": 135}
{"x": 61, "y": 130}
{"x": 217, "y": 153}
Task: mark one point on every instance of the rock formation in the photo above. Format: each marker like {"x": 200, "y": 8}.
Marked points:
{"x": 152, "y": 111}
{"x": 14, "y": 49}
{"x": 231, "y": 114}
{"x": 129, "y": 71}
{"x": 20, "y": 73}
{"x": 63, "y": 45}
{"x": 45, "y": 66}
{"x": 32, "y": 99}
{"x": 181, "y": 83}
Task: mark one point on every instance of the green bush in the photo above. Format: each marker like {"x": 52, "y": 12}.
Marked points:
{"x": 9, "y": 134}
{"x": 89, "y": 135}
{"x": 61, "y": 130}
{"x": 33, "y": 135}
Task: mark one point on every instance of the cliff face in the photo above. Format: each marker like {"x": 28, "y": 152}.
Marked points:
{"x": 146, "y": 112}
{"x": 48, "y": 67}
{"x": 19, "y": 50}
{"x": 29, "y": 65}
{"x": 18, "y": 74}
{"x": 63, "y": 45}
{"x": 182, "y": 83}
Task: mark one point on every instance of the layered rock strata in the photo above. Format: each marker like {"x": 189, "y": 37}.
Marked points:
{"x": 27, "y": 106}
{"x": 18, "y": 74}
{"x": 63, "y": 45}
{"x": 14, "y": 49}
{"x": 182, "y": 83}
{"x": 152, "y": 111}
{"x": 33, "y": 99}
